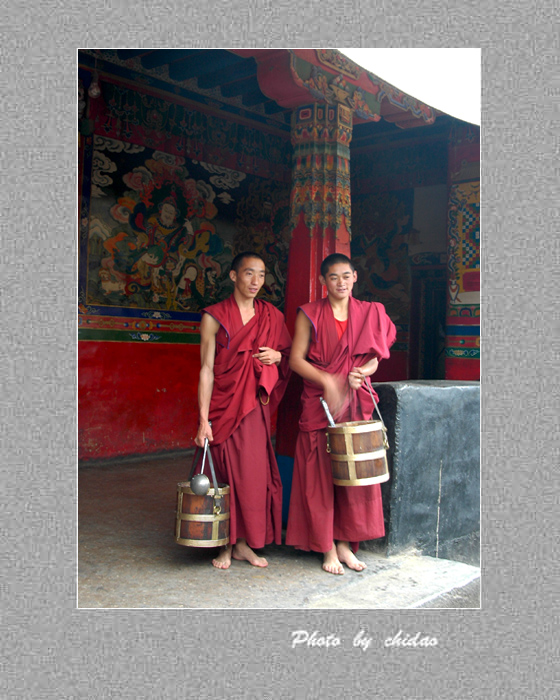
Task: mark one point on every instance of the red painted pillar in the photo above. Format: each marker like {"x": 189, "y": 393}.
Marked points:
{"x": 320, "y": 214}
{"x": 462, "y": 344}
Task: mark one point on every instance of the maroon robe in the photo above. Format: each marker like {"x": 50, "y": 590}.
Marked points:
{"x": 244, "y": 396}
{"x": 321, "y": 512}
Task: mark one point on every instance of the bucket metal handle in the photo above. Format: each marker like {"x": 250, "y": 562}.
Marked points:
{"x": 207, "y": 450}
{"x": 384, "y": 429}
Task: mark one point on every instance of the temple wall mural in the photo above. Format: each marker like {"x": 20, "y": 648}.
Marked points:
{"x": 382, "y": 224}
{"x": 159, "y": 229}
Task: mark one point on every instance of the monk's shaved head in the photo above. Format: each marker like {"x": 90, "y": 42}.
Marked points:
{"x": 236, "y": 262}
{"x": 335, "y": 259}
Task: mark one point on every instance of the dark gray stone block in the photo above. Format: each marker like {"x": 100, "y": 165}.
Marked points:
{"x": 432, "y": 500}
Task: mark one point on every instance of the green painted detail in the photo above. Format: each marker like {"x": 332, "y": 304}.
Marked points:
{"x": 139, "y": 336}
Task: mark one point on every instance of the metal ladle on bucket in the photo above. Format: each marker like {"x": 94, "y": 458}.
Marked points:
{"x": 200, "y": 483}
{"x": 326, "y": 409}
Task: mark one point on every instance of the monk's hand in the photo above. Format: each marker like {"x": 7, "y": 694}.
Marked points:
{"x": 334, "y": 392}
{"x": 268, "y": 356}
{"x": 204, "y": 431}
{"x": 356, "y": 378}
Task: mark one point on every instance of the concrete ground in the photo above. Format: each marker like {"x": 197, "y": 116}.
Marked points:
{"x": 128, "y": 558}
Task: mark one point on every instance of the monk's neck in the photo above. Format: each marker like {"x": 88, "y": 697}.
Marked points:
{"x": 246, "y": 307}
{"x": 339, "y": 308}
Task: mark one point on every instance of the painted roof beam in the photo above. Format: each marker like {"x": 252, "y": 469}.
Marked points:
{"x": 239, "y": 71}
{"x": 198, "y": 65}
{"x": 240, "y": 87}
{"x": 160, "y": 57}
{"x": 252, "y": 98}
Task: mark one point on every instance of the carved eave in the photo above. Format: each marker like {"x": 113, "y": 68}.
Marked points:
{"x": 295, "y": 77}
{"x": 275, "y": 76}
{"x": 402, "y": 109}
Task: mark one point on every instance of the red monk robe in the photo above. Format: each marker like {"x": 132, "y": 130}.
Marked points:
{"x": 245, "y": 394}
{"x": 321, "y": 512}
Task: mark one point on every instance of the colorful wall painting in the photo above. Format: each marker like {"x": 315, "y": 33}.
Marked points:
{"x": 464, "y": 248}
{"x": 382, "y": 223}
{"x": 159, "y": 231}
{"x": 463, "y": 269}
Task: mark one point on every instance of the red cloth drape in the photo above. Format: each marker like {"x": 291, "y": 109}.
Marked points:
{"x": 240, "y": 379}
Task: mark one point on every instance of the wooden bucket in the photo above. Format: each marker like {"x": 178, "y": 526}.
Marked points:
{"x": 358, "y": 453}
{"x": 202, "y": 521}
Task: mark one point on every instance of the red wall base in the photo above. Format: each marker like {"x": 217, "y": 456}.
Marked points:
{"x": 466, "y": 370}
{"x": 136, "y": 398}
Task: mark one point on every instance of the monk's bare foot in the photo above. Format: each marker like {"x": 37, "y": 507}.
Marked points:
{"x": 243, "y": 552}
{"x": 331, "y": 563}
{"x": 347, "y": 556}
{"x": 223, "y": 560}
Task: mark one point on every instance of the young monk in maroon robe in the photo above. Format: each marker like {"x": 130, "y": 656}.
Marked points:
{"x": 244, "y": 347}
{"x": 338, "y": 342}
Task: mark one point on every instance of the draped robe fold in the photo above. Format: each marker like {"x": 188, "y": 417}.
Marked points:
{"x": 321, "y": 512}
{"x": 244, "y": 397}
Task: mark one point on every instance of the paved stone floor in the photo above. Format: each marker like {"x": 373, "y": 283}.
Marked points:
{"x": 128, "y": 558}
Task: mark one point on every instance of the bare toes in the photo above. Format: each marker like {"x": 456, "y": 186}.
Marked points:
{"x": 333, "y": 568}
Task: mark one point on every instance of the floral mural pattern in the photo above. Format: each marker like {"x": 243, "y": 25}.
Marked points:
{"x": 382, "y": 225}
{"x": 159, "y": 230}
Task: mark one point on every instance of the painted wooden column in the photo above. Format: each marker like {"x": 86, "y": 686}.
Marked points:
{"x": 320, "y": 218}
{"x": 320, "y": 198}
{"x": 462, "y": 343}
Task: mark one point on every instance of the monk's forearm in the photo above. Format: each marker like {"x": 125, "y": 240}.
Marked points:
{"x": 205, "y": 387}
{"x": 308, "y": 371}
{"x": 370, "y": 367}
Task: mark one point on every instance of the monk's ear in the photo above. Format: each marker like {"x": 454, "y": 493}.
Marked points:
{"x": 322, "y": 280}
{"x": 355, "y": 276}
{"x": 232, "y": 275}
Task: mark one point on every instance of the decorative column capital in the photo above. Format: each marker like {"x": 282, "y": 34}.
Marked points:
{"x": 321, "y": 136}
{"x": 322, "y": 123}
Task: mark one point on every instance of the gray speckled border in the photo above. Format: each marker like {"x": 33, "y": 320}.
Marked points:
{"x": 52, "y": 650}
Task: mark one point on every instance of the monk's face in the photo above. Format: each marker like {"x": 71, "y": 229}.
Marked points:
{"x": 339, "y": 281}
{"x": 250, "y": 277}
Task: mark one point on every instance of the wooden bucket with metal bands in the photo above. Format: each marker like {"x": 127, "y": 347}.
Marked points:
{"x": 202, "y": 521}
{"x": 358, "y": 453}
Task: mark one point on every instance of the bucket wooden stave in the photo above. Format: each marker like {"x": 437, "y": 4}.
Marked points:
{"x": 358, "y": 453}
{"x": 202, "y": 521}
